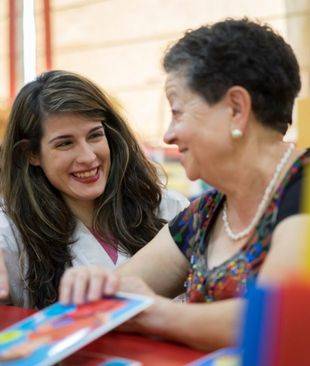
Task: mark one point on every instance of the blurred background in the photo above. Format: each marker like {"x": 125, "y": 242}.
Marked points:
{"x": 119, "y": 44}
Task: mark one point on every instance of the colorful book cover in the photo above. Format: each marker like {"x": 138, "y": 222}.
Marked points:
{"x": 222, "y": 357}
{"x": 116, "y": 361}
{"x": 103, "y": 360}
{"x": 57, "y": 331}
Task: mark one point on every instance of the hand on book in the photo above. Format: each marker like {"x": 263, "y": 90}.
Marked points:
{"x": 4, "y": 282}
{"x": 87, "y": 283}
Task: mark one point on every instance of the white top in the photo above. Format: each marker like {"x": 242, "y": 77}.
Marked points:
{"x": 86, "y": 250}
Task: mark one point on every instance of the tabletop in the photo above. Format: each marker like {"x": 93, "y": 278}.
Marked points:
{"x": 148, "y": 351}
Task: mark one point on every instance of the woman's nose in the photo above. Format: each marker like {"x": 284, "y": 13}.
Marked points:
{"x": 169, "y": 136}
{"x": 85, "y": 154}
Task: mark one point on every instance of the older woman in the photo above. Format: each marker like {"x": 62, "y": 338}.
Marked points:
{"x": 231, "y": 87}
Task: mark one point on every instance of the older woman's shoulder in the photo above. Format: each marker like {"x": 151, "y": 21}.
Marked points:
{"x": 204, "y": 200}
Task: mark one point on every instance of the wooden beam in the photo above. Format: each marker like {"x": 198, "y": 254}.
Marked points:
{"x": 12, "y": 48}
{"x": 48, "y": 35}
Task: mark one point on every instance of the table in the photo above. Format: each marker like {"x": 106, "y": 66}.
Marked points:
{"x": 148, "y": 351}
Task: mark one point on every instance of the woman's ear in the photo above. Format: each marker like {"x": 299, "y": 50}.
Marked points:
{"x": 239, "y": 101}
{"x": 34, "y": 159}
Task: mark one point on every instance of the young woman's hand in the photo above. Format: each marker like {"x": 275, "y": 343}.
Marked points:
{"x": 87, "y": 283}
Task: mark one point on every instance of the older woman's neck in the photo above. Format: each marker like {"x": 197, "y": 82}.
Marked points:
{"x": 258, "y": 155}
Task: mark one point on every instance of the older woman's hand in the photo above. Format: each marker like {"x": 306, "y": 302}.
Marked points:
{"x": 87, "y": 283}
{"x": 4, "y": 281}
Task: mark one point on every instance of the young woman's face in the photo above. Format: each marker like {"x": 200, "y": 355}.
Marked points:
{"x": 75, "y": 156}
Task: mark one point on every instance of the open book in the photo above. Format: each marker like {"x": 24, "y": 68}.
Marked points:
{"x": 57, "y": 331}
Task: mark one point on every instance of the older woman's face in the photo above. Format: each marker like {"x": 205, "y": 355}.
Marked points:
{"x": 200, "y": 131}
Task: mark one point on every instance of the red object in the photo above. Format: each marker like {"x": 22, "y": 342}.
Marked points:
{"x": 48, "y": 34}
{"x": 86, "y": 310}
{"x": 111, "y": 249}
{"x": 150, "y": 352}
{"x": 12, "y": 47}
{"x": 292, "y": 340}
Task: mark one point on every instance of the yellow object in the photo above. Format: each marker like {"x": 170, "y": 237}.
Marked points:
{"x": 303, "y": 122}
{"x": 10, "y": 336}
{"x": 303, "y": 128}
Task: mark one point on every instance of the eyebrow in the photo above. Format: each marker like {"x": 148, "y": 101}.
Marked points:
{"x": 61, "y": 137}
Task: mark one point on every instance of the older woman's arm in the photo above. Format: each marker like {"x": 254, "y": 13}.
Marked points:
{"x": 203, "y": 326}
{"x": 160, "y": 264}
{"x": 160, "y": 269}
{"x": 214, "y": 325}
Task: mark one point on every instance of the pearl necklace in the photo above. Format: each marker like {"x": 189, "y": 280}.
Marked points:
{"x": 261, "y": 207}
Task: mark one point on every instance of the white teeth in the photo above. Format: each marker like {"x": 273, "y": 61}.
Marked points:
{"x": 90, "y": 173}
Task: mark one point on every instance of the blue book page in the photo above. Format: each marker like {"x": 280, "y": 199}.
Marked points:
{"x": 223, "y": 357}
{"x": 117, "y": 361}
{"x": 103, "y": 360}
{"x": 59, "y": 330}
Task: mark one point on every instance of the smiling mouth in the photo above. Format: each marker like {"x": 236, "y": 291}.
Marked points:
{"x": 183, "y": 150}
{"x": 86, "y": 174}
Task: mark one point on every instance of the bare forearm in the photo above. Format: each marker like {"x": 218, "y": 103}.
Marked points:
{"x": 160, "y": 264}
{"x": 157, "y": 283}
{"x": 203, "y": 326}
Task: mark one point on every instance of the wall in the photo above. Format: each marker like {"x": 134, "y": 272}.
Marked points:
{"x": 120, "y": 43}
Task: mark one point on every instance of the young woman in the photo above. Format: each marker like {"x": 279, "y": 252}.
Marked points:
{"x": 76, "y": 187}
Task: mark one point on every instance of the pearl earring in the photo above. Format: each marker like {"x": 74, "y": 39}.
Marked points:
{"x": 236, "y": 133}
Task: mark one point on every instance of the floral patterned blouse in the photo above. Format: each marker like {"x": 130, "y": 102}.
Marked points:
{"x": 191, "y": 228}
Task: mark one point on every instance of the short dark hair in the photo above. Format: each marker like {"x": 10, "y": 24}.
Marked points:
{"x": 245, "y": 53}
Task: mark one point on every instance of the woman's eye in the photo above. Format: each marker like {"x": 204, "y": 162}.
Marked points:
{"x": 63, "y": 144}
{"x": 97, "y": 135}
{"x": 175, "y": 112}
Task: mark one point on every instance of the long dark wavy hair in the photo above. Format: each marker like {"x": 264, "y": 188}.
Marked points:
{"x": 126, "y": 211}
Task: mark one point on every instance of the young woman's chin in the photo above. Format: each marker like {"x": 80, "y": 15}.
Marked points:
{"x": 86, "y": 193}
{"x": 92, "y": 194}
